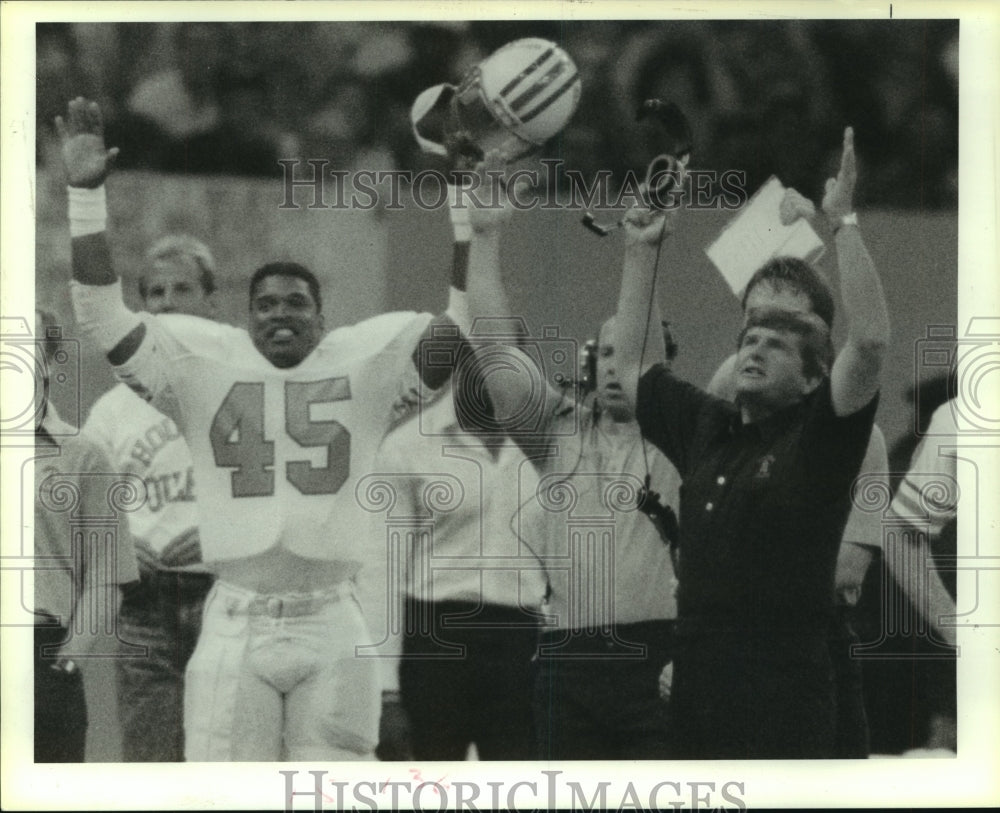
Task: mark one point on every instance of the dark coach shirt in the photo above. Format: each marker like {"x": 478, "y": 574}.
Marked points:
{"x": 763, "y": 505}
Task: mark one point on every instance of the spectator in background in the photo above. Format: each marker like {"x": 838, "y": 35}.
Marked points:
{"x": 73, "y": 576}
{"x": 183, "y": 118}
{"x": 163, "y": 611}
{"x": 928, "y": 498}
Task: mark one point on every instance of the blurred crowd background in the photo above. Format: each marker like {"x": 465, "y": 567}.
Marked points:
{"x": 765, "y": 97}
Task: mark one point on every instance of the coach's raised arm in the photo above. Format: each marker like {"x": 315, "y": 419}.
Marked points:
{"x": 856, "y": 373}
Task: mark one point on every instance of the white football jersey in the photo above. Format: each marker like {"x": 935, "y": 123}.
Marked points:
{"x": 277, "y": 452}
{"x": 140, "y": 440}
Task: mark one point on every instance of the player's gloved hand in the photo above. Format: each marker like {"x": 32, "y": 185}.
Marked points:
{"x": 147, "y": 558}
{"x": 85, "y": 158}
{"x": 184, "y": 549}
{"x": 666, "y": 680}
{"x": 838, "y": 200}
{"x": 393, "y": 731}
{"x": 793, "y": 206}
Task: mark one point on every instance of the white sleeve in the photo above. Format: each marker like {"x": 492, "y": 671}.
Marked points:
{"x": 933, "y": 468}
{"x": 101, "y": 313}
{"x": 147, "y": 370}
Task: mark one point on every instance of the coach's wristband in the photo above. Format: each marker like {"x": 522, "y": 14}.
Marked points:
{"x": 846, "y": 220}
{"x": 88, "y": 210}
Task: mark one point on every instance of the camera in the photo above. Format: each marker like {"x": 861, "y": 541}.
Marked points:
{"x": 35, "y": 365}
{"x": 528, "y": 365}
{"x": 963, "y": 369}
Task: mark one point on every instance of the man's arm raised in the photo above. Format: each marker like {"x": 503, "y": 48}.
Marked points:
{"x": 637, "y": 321}
{"x": 487, "y": 298}
{"x": 96, "y": 289}
{"x": 856, "y": 373}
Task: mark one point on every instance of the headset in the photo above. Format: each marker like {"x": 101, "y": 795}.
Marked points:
{"x": 587, "y": 380}
{"x": 665, "y": 125}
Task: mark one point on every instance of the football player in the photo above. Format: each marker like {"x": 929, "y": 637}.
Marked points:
{"x": 281, "y": 420}
{"x": 163, "y": 612}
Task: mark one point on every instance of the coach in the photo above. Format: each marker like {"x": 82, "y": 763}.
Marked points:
{"x": 765, "y": 497}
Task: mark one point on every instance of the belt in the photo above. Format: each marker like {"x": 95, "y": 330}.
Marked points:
{"x": 238, "y": 601}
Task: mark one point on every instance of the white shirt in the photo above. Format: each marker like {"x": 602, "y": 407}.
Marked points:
{"x": 140, "y": 440}
{"x": 456, "y": 507}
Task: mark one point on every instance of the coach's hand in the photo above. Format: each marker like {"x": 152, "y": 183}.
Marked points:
{"x": 666, "y": 680}
{"x": 852, "y": 564}
{"x": 838, "y": 199}
{"x": 647, "y": 227}
{"x": 795, "y": 205}
{"x": 393, "y": 731}
{"x": 85, "y": 157}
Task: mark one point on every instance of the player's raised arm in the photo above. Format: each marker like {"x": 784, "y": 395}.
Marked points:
{"x": 488, "y": 300}
{"x": 855, "y": 377}
{"x": 96, "y": 289}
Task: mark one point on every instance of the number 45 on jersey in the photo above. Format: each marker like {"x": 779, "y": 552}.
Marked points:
{"x": 238, "y": 440}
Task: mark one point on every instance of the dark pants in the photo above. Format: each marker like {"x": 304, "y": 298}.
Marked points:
{"x": 162, "y": 613}
{"x": 753, "y": 695}
{"x": 60, "y": 703}
{"x": 852, "y": 721}
{"x": 466, "y": 678}
{"x": 597, "y": 696}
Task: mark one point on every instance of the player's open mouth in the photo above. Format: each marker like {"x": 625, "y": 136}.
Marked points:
{"x": 282, "y": 334}
{"x": 753, "y": 370}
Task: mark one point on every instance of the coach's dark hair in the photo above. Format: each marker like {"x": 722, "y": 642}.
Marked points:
{"x": 800, "y": 277}
{"x": 183, "y": 245}
{"x": 287, "y": 270}
{"x": 816, "y": 348}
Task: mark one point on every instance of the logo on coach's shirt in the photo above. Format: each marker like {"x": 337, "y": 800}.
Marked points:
{"x": 765, "y": 467}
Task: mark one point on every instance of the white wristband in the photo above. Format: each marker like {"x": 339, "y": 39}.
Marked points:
{"x": 458, "y": 211}
{"x": 88, "y": 210}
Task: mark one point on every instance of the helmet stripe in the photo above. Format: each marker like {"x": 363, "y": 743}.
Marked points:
{"x": 526, "y": 72}
{"x": 549, "y": 101}
{"x": 540, "y": 85}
